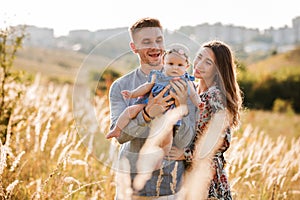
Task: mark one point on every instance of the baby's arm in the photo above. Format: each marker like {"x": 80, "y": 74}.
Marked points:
{"x": 139, "y": 91}
{"x": 195, "y": 98}
{"x": 129, "y": 113}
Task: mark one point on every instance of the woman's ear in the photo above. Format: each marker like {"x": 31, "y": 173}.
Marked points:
{"x": 133, "y": 47}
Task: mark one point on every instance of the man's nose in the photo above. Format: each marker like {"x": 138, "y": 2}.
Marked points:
{"x": 155, "y": 45}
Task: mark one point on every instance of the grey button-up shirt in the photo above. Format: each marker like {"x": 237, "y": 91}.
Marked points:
{"x": 133, "y": 136}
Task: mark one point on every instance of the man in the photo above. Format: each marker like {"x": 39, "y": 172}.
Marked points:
{"x": 147, "y": 41}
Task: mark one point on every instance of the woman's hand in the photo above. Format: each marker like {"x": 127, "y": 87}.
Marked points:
{"x": 181, "y": 89}
{"x": 175, "y": 154}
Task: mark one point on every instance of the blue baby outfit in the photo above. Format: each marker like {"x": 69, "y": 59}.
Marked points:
{"x": 161, "y": 82}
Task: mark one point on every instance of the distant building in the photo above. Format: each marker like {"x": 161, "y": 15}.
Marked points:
{"x": 80, "y": 35}
{"x": 242, "y": 37}
{"x": 229, "y": 33}
{"x": 282, "y": 36}
{"x": 42, "y": 37}
{"x": 296, "y": 28}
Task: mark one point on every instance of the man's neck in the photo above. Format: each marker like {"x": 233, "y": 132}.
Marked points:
{"x": 146, "y": 69}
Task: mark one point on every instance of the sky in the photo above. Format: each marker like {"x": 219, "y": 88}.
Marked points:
{"x": 63, "y": 16}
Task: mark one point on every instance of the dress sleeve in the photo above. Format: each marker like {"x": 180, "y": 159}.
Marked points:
{"x": 216, "y": 101}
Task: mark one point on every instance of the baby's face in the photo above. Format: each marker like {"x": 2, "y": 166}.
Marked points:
{"x": 174, "y": 64}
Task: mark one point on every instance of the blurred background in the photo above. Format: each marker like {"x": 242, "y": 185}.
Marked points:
{"x": 52, "y": 53}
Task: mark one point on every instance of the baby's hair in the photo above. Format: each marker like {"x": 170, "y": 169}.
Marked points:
{"x": 179, "y": 49}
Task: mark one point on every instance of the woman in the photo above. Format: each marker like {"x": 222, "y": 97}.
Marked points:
{"x": 220, "y": 93}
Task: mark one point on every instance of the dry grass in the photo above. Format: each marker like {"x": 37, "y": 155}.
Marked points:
{"x": 273, "y": 124}
{"x": 263, "y": 168}
{"x": 54, "y": 152}
{"x": 44, "y": 157}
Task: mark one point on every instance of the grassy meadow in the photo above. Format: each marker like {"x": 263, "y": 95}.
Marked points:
{"x": 45, "y": 157}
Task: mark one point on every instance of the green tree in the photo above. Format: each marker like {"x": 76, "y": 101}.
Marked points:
{"x": 10, "y": 41}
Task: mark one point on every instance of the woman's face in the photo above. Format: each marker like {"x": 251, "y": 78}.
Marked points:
{"x": 204, "y": 64}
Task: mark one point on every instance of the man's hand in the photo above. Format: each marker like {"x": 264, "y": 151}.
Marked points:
{"x": 159, "y": 104}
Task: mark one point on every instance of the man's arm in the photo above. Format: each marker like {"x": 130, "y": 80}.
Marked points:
{"x": 136, "y": 127}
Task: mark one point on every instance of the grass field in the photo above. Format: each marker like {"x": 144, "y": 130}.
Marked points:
{"x": 273, "y": 124}
{"x": 46, "y": 156}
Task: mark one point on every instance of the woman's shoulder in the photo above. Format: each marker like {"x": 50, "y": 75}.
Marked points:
{"x": 215, "y": 97}
{"x": 214, "y": 90}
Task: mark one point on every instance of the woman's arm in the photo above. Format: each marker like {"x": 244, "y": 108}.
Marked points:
{"x": 214, "y": 130}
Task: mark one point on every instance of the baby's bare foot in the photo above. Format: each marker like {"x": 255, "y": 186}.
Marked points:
{"x": 113, "y": 133}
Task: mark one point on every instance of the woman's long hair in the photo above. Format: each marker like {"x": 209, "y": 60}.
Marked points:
{"x": 226, "y": 78}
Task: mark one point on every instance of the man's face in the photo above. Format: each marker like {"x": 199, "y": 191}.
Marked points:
{"x": 148, "y": 43}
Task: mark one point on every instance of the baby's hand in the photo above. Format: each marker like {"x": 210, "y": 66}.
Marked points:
{"x": 176, "y": 78}
{"x": 126, "y": 94}
{"x": 153, "y": 78}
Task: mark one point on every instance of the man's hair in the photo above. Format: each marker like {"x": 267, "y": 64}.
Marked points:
{"x": 143, "y": 23}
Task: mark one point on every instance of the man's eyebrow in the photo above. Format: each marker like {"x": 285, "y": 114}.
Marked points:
{"x": 199, "y": 55}
{"x": 145, "y": 39}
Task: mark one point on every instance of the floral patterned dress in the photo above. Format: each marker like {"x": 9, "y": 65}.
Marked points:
{"x": 212, "y": 101}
